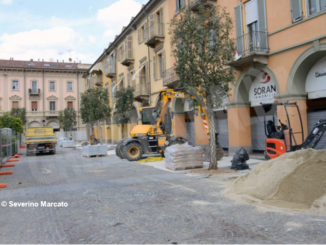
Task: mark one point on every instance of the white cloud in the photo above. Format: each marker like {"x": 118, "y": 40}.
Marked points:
{"x": 117, "y": 15}
{"x": 92, "y": 39}
{"x": 42, "y": 44}
{"x": 6, "y": 2}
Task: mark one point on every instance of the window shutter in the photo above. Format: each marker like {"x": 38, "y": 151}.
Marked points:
{"x": 128, "y": 78}
{"x": 163, "y": 63}
{"x": 151, "y": 26}
{"x": 128, "y": 47}
{"x": 139, "y": 35}
{"x": 177, "y": 6}
{"x": 239, "y": 29}
{"x": 261, "y": 6}
{"x": 145, "y": 31}
{"x": 34, "y": 105}
{"x": 182, "y": 4}
{"x": 296, "y": 10}
{"x": 154, "y": 66}
{"x": 262, "y": 27}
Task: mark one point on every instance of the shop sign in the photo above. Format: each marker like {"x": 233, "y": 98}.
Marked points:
{"x": 263, "y": 89}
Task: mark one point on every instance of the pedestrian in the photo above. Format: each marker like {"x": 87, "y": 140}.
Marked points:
{"x": 70, "y": 136}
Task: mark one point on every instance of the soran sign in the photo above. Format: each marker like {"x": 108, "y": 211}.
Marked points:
{"x": 262, "y": 90}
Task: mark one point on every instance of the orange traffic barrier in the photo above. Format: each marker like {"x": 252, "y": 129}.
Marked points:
{"x": 12, "y": 160}
{"x": 6, "y": 173}
{"x": 20, "y": 154}
{"x": 8, "y": 166}
{"x": 13, "y": 157}
{"x": 3, "y": 185}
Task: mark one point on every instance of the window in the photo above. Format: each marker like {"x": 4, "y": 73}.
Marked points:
{"x": 179, "y": 4}
{"x": 34, "y": 86}
{"x": 52, "y": 105}
{"x": 69, "y": 86}
{"x": 15, "y": 85}
{"x": 253, "y": 39}
{"x": 52, "y": 86}
{"x": 315, "y": 6}
{"x": 34, "y": 105}
{"x": 161, "y": 65}
{"x": 70, "y": 104}
{"x": 15, "y": 104}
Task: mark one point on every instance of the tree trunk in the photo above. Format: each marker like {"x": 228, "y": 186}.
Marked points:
{"x": 100, "y": 132}
{"x": 92, "y": 129}
{"x": 123, "y": 131}
{"x": 212, "y": 131}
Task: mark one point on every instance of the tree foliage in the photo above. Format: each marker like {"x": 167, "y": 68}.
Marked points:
{"x": 20, "y": 113}
{"x": 9, "y": 121}
{"x": 202, "y": 47}
{"x": 124, "y": 105}
{"x": 67, "y": 119}
{"x": 94, "y": 105}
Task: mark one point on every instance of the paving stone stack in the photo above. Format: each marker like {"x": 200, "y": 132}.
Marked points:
{"x": 68, "y": 143}
{"x": 95, "y": 150}
{"x": 180, "y": 157}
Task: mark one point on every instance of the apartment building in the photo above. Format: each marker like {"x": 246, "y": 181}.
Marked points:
{"x": 43, "y": 88}
{"x": 281, "y": 55}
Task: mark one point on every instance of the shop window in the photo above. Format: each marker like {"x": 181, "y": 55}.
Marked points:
{"x": 34, "y": 105}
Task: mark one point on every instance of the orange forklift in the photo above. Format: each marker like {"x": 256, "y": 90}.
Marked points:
{"x": 283, "y": 138}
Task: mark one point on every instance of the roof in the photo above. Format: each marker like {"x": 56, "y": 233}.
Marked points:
{"x": 42, "y": 65}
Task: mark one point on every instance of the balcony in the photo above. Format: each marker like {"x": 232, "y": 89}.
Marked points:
{"x": 194, "y": 4}
{"x": 142, "y": 91}
{"x": 51, "y": 114}
{"x": 252, "y": 48}
{"x": 155, "y": 34}
{"x": 127, "y": 57}
{"x": 34, "y": 92}
{"x": 110, "y": 70}
{"x": 171, "y": 78}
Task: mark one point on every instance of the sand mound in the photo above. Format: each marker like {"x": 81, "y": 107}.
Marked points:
{"x": 294, "y": 180}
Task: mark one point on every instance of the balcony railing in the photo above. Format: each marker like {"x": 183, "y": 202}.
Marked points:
{"x": 252, "y": 43}
{"x": 155, "y": 34}
{"x": 110, "y": 70}
{"x": 34, "y": 91}
{"x": 127, "y": 57}
{"x": 171, "y": 78}
{"x": 141, "y": 90}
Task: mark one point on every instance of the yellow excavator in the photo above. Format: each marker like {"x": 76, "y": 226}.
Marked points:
{"x": 153, "y": 136}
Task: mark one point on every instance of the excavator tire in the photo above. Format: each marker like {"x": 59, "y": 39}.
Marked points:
{"x": 133, "y": 151}
{"x": 118, "y": 151}
{"x": 219, "y": 153}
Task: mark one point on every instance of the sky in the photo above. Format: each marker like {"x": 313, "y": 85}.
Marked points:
{"x": 62, "y": 29}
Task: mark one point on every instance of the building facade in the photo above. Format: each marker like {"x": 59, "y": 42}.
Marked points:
{"x": 281, "y": 56}
{"x": 43, "y": 88}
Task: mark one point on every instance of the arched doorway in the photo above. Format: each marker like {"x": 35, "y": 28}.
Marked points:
{"x": 308, "y": 80}
{"x": 34, "y": 124}
{"x": 256, "y": 86}
{"x": 55, "y": 125}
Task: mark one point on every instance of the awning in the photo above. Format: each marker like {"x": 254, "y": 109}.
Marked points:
{"x": 113, "y": 89}
{"x": 54, "y": 124}
{"x": 134, "y": 76}
{"x": 317, "y": 94}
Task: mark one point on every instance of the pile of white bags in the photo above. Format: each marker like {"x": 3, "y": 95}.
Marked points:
{"x": 180, "y": 157}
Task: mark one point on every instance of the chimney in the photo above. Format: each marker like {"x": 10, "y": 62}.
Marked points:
{"x": 42, "y": 60}
{"x": 57, "y": 60}
{"x": 63, "y": 61}
{"x": 31, "y": 60}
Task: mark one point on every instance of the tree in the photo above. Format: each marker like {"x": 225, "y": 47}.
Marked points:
{"x": 20, "y": 113}
{"x": 67, "y": 119}
{"x": 9, "y": 121}
{"x": 124, "y": 105}
{"x": 94, "y": 107}
{"x": 202, "y": 46}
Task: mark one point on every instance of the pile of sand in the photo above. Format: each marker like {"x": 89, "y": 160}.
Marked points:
{"x": 294, "y": 180}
